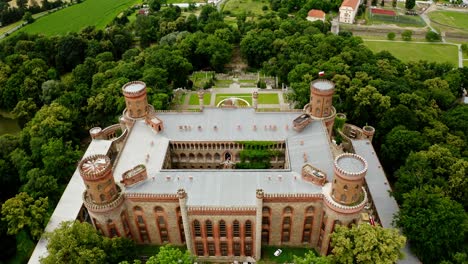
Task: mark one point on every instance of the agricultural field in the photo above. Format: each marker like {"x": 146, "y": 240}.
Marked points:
{"x": 407, "y": 51}
{"x": 96, "y": 13}
{"x": 451, "y": 19}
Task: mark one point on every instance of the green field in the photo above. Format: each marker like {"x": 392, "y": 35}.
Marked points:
{"x": 247, "y": 97}
{"x": 458, "y": 20}
{"x": 285, "y": 257}
{"x": 417, "y": 51}
{"x": 400, "y": 20}
{"x": 222, "y": 83}
{"x": 74, "y": 18}
{"x": 268, "y": 98}
{"x": 194, "y": 99}
{"x": 251, "y": 7}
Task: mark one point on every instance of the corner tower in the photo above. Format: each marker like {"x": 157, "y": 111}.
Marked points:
{"x": 350, "y": 170}
{"x": 321, "y": 102}
{"x": 344, "y": 197}
{"x": 96, "y": 172}
{"x": 103, "y": 197}
{"x": 135, "y": 99}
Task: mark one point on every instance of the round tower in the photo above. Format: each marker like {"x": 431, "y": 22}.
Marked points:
{"x": 368, "y": 132}
{"x": 135, "y": 99}
{"x": 321, "y": 95}
{"x": 96, "y": 172}
{"x": 350, "y": 170}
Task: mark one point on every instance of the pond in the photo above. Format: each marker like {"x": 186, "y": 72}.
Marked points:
{"x": 8, "y": 125}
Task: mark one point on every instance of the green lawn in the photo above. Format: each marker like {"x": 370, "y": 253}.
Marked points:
{"x": 184, "y": 1}
{"x": 268, "y": 98}
{"x": 72, "y": 19}
{"x": 252, "y": 7}
{"x": 247, "y": 97}
{"x": 452, "y": 19}
{"x": 417, "y": 51}
{"x": 465, "y": 63}
{"x": 285, "y": 257}
{"x": 222, "y": 83}
{"x": 194, "y": 99}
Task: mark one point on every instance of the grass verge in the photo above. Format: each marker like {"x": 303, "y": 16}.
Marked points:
{"x": 285, "y": 257}
{"x": 458, "y": 20}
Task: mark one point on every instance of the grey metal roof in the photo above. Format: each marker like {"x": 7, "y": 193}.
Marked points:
{"x": 350, "y": 164}
{"x": 227, "y": 187}
{"x": 323, "y": 85}
{"x": 70, "y": 203}
{"x": 379, "y": 188}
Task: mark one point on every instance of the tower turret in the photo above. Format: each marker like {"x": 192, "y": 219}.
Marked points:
{"x": 135, "y": 99}
{"x": 321, "y": 95}
{"x": 255, "y": 99}
{"x": 96, "y": 172}
{"x": 350, "y": 170}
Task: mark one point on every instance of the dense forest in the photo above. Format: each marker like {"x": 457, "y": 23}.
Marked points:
{"x": 61, "y": 86}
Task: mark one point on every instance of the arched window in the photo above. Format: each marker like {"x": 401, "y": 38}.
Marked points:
{"x": 180, "y": 224}
{"x": 236, "y": 229}
{"x": 248, "y": 228}
{"x": 196, "y": 228}
{"x": 209, "y": 228}
{"x": 343, "y": 198}
{"x": 308, "y": 224}
{"x": 112, "y": 229}
{"x": 222, "y": 229}
{"x": 124, "y": 219}
{"x": 141, "y": 224}
{"x": 345, "y": 187}
{"x": 266, "y": 214}
{"x": 161, "y": 223}
{"x": 286, "y": 226}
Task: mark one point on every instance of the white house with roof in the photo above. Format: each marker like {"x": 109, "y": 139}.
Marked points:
{"x": 348, "y": 11}
{"x": 315, "y": 15}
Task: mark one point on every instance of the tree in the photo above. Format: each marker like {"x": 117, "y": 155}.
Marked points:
{"x": 435, "y": 225}
{"x": 155, "y": 5}
{"x": 407, "y": 34}
{"x": 391, "y": 36}
{"x": 23, "y": 211}
{"x": 170, "y": 255}
{"x": 311, "y": 258}
{"x": 432, "y": 36}
{"x": 366, "y": 244}
{"x": 75, "y": 242}
{"x": 409, "y": 4}
{"x": 27, "y": 17}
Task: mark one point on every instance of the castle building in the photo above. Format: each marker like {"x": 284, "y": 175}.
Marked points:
{"x": 166, "y": 177}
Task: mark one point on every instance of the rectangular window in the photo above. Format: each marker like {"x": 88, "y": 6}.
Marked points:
{"x": 211, "y": 249}
{"x": 224, "y": 249}
{"x": 248, "y": 248}
{"x": 237, "y": 249}
{"x": 199, "y": 248}
{"x": 140, "y": 220}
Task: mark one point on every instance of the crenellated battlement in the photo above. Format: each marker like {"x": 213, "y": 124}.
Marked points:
{"x": 350, "y": 165}
{"x": 95, "y": 167}
{"x": 134, "y": 89}
{"x": 101, "y": 208}
{"x": 347, "y": 209}
{"x": 322, "y": 87}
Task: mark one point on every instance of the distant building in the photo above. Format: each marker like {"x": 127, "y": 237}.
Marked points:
{"x": 315, "y": 15}
{"x": 348, "y": 11}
